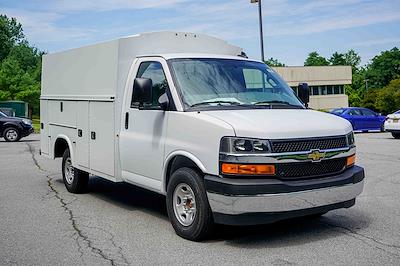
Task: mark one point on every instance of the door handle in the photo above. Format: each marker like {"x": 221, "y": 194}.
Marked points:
{"x": 93, "y": 135}
{"x": 80, "y": 133}
{"x": 126, "y": 120}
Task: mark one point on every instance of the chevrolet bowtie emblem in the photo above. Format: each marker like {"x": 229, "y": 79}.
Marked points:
{"x": 316, "y": 156}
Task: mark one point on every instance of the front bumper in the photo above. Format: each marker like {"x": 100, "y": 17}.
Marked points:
{"x": 245, "y": 202}
{"x": 27, "y": 131}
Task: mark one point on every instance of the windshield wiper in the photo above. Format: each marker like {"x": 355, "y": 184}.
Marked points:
{"x": 277, "y": 102}
{"x": 217, "y": 102}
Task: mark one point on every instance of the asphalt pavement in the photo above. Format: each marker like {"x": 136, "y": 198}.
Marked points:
{"x": 120, "y": 224}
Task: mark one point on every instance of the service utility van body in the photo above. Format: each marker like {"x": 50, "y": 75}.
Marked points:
{"x": 188, "y": 116}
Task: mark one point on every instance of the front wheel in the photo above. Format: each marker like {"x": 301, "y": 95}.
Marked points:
{"x": 187, "y": 205}
{"x": 396, "y": 135}
{"x": 75, "y": 180}
{"x": 11, "y": 134}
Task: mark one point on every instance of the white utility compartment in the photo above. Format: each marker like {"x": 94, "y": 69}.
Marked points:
{"x": 83, "y": 88}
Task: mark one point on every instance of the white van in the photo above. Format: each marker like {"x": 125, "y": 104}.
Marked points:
{"x": 188, "y": 116}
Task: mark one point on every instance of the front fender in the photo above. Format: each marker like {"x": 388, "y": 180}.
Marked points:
{"x": 12, "y": 124}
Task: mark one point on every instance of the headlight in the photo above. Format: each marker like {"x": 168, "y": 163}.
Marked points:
{"x": 350, "y": 139}
{"x": 27, "y": 121}
{"x": 244, "y": 145}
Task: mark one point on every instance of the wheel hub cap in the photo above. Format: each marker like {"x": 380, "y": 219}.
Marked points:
{"x": 12, "y": 134}
{"x": 69, "y": 171}
{"x": 184, "y": 204}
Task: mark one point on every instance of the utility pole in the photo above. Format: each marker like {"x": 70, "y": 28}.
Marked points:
{"x": 261, "y": 26}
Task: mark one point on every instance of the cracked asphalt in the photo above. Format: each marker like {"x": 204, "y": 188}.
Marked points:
{"x": 119, "y": 224}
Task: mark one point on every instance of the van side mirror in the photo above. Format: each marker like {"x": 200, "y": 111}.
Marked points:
{"x": 304, "y": 93}
{"x": 163, "y": 101}
{"x": 142, "y": 90}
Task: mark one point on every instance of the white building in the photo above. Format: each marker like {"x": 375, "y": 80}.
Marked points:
{"x": 326, "y": 83}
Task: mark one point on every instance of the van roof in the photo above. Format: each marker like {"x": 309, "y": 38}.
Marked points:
{"x": 168, "y": 56}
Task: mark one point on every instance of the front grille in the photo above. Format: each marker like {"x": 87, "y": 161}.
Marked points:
{"x": 303, "y": 170}
{"x": 279, "y": 146}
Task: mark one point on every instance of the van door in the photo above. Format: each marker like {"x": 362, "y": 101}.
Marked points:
{"x": 144, "y": 129}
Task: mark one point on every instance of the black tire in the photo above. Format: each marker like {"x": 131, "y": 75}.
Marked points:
{"x": 80, "y": 179}
{"x": 317, "y": 215}
{"x": 396, "y": 135}
{"x": 202, "y": 224}
{"x": 383, "y": 128}
{"x": 11, "y": 134}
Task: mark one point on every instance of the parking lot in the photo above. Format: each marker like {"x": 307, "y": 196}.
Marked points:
{"x": 119, "y": 224}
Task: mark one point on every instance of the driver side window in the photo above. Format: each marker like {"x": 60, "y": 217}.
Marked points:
{"x": 356, "y": 112}
{"x": 155, "y": 72}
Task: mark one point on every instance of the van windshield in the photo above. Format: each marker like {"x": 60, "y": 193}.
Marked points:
{"x": 228, "y": 83}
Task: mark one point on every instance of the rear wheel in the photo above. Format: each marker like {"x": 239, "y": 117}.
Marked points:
{"x": 396, "y": 135}
{"x": 187, "y": 205}
{"x": 11, "y": 134}
{"x": 75, "y": 180}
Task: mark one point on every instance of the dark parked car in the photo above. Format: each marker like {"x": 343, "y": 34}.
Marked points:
{"x": 14, "y": 128}
{"x": 361, "y": 118}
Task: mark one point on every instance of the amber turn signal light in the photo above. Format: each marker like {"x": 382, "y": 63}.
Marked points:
{"x": 248, "y": 169}
{"x": 351, "y": 160}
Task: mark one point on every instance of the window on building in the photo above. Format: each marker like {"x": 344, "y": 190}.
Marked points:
{"x": 315, "y": 90}
{"x": 329, "y": 89}
{"x": 336, "y": 89}
{"x": 323, "y": 90}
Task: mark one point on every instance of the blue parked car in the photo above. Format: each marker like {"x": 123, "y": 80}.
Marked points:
{"x": 362, "y": 119}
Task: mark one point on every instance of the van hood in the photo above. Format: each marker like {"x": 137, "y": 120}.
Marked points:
{"x": 281, "y": 124}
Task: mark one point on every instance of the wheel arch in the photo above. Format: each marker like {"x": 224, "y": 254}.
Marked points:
{"x": 62, "y": 143}
{"x": 177, "y": 160}
{"x": 11, "y": 124}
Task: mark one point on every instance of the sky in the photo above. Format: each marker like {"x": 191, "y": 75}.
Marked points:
{"x": 292, "y": 28}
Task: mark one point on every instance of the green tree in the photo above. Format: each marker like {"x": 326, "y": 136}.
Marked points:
{"x": 384, "y": 68}
{"x": 272, "y": 62}
{"x": 314, "y": 59}
{"x": 352, "y": 59}
{"x": 20, "y": 65}
{"x": 388, "y": 98}
{"x": 369, "y": 99}
{"x": 10, "y": 34}
{"x": 337, "y": 59}
{"x": 355, "y": 97}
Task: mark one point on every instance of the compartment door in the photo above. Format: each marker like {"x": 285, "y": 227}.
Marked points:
{"x": 82, "y": 133}
{"x": 44, "y": 127}
{"x": 101, "y": 137}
